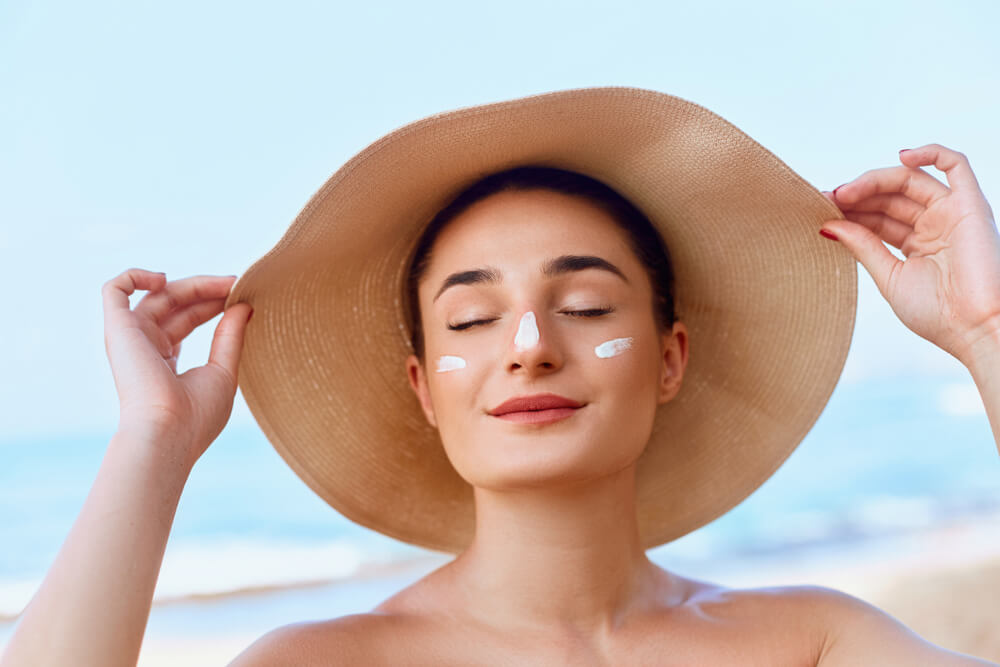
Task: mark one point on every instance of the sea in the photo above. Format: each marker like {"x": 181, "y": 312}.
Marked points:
{"x": 886, "y": 457}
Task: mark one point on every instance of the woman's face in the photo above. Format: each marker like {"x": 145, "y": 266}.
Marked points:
{"x": 537, "y": 292}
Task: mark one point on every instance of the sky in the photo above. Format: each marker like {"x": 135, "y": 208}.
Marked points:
{"x": 184, "y": 137}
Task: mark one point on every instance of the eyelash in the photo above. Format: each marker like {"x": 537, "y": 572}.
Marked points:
{"x": 588, "y": 312}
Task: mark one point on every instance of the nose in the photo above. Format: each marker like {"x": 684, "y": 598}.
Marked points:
{"x": 532, "y": 349}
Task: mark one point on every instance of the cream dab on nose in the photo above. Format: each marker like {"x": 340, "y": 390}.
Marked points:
{"x": 527, "y": 332}
{"x": 449, "y": 363}
{"x": 612, "y": 348}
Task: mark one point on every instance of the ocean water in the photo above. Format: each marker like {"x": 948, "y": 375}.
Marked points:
{"x": 885, "y": 457}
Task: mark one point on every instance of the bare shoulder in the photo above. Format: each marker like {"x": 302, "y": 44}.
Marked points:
{"x": 711, "y": 624}
{"x": 810, "y": 625}
{"x": 857, "y": 632}
{"x": 795, "y": 608}
{"x": 757, "y": 626}
{"x": 380, "y": 636}
{"x": 348, "y": 640}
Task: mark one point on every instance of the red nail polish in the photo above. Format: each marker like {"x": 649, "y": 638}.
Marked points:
{"x": 250, "y": 315}
{"x": 828, "y": 235}
{"x": 904, "y": 149}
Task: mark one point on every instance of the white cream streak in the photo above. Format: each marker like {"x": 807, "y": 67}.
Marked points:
{"x": 449, "y": 363}
{"x": 527, "y": 332}
{"x": 613, "y": 348}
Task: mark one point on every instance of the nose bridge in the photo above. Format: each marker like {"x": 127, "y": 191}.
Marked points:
{"x": 527, "y": 336}
{"x": 533, "y": 345}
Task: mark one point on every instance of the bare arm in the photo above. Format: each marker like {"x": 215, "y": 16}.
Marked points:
{"x": 984, "y": 364}
{"x": 947, "y": 290}
{"x": 861, "y": 634}
{"x": 93, "y": 605}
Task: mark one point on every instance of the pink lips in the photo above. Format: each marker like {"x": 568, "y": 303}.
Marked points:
{"x": 536, "y": 409}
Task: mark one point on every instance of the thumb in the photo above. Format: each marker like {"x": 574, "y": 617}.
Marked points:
{"x": 867, "y": 248}
{"x": 227, "y": 343}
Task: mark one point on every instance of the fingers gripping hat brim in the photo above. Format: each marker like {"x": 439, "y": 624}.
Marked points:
{"x": 768, "y": 303}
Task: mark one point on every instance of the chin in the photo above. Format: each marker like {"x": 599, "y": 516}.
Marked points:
{"x": 537, "y": 462}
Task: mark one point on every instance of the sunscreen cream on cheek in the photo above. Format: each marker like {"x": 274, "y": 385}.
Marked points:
{"x": 450, "y": 363}
{"x": 612, "y": 348}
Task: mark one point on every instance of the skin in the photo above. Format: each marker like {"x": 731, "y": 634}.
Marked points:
{"x": 516, "y": 232}
{"x": 555, "y": 574}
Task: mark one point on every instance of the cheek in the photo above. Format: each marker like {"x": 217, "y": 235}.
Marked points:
{"x": 450, "y": 362}
{"x": 456, "y": 393}
{"x": 628, "y": 368}
{"x": 613, "y": 347}
{"x": 456, "y": 359}
{"x": 628, "y": 377}
{"x": 456, "y": 380}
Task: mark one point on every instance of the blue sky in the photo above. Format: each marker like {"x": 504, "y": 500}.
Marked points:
{"x": 184, "y": 137}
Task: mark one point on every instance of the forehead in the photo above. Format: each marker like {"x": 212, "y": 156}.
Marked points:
{"x": 523, "y": 228}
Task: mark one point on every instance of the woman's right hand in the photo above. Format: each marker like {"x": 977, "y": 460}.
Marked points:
{"x": 143, "y": 345}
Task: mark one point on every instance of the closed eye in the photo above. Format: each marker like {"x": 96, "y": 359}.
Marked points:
{"x": 465, "y": 325}
{"x": 589, "y": 312}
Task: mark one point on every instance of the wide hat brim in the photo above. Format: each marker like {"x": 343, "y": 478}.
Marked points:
{"x": 769, "y": 306}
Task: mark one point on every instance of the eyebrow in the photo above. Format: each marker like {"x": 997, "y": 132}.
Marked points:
{"x": 554, "y": 267}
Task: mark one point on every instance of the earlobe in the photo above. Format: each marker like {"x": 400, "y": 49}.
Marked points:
{"x": 674, "y": 362}
{"x": 418, "y": 383}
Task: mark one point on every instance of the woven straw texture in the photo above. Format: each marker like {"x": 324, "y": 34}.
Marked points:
{"x": 769, "y": 306}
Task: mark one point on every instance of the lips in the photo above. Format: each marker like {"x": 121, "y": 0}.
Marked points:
{"x": 535, "y": 403}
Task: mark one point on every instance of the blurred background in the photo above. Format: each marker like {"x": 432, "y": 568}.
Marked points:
{"x": 184, "y": 137}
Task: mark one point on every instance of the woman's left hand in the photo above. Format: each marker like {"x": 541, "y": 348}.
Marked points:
{"x": 948, "y": 288}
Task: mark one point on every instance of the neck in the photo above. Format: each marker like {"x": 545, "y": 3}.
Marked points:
{"x": 563, "y": 557}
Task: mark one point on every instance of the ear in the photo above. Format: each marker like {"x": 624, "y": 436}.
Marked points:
{"x": 674, "y": 361}
{"x": 418, "y": 382}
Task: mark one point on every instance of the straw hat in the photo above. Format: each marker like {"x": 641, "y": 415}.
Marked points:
{"x": 769, "y": 306}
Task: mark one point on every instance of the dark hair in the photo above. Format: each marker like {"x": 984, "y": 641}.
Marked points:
{"x": 644, "y": 239}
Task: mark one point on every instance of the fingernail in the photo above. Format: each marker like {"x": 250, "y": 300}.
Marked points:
{"x": 828, "y": 235}
{"x": 904, "y": 149}
{"x": 838, "y": 187}
{"x": 250, "y": 315}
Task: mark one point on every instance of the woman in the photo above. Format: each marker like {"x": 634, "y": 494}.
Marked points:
{"x": 544, "y": 354}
